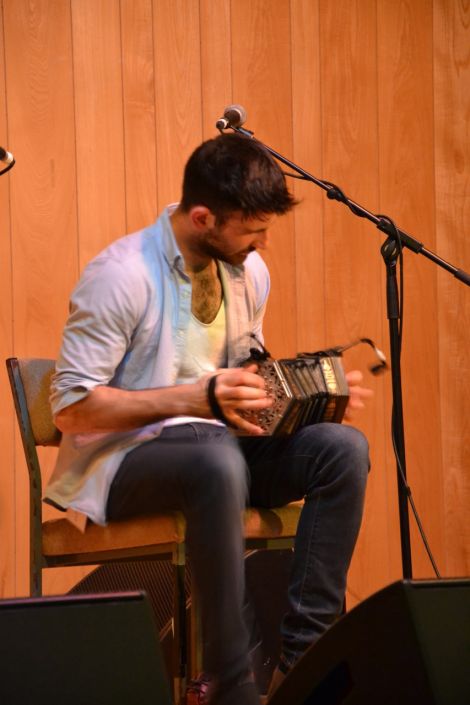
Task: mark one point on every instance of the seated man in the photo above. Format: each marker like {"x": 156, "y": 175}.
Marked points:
{"x": 148, "y": 393}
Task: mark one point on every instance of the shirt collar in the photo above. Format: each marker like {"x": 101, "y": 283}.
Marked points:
{"x": 170, "y": 246}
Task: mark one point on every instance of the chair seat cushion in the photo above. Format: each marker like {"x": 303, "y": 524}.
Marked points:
{"x": 61, "y": 538}
{"x": 280, "y": 522}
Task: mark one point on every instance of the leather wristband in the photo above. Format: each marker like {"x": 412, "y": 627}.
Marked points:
{"x": 213, "y": 403}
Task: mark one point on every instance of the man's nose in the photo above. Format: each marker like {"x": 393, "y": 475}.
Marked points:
{"x": 261, "y": 242}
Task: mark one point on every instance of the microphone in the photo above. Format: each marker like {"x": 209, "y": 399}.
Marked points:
{"x": 234, "y": 116}
{"x": 6, "y": 157}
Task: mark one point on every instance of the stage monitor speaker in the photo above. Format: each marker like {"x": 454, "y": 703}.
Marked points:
{"x": 267, "y": 576}
{"x": 86, "y": 650}
{"x": 408, "y": 644}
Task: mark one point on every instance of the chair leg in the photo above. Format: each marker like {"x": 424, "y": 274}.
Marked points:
{"x": 35, "y": 575}
{"x": 179, "y": 656}
{"x": 196, "y": 637}
{"x": 35, "y": 544}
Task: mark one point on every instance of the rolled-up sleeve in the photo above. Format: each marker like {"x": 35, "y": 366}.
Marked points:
{"x": 104, "y": 312}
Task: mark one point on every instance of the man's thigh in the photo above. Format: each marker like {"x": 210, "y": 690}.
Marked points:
{"x": 165, "y": 474}
{"x": 284, "y": 469}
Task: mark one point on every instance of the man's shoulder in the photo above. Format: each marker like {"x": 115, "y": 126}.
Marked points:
{"x": 131, "y": 246}
{"x": 136, "y": 254}
{"x": 140, "y": 251}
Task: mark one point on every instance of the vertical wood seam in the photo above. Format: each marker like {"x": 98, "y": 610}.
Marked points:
{"x": 383, "y": 327}
{"x": 12, "y": 329}
{"x": 123, "y": 98}
{"x": 294, "y": 224}
{"x": 201, "y": 77}
{"x": 443, "y": 566}
{"x": 77, "y": 185}
{"x": 154, "y": 104}
{"x": 322, "y": 162}
{"x": 231, "y": 48}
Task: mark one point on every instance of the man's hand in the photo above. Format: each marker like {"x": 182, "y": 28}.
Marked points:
{"x": 357, "y": 394}
{"x": 240, "y": 389}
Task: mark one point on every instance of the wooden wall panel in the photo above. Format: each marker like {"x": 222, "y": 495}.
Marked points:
{"x": 407, "y": 193}
{"x": 43, "y": 193}
{"x": 7, "y": 477}
{"x": 452, "y": 164}
{"x": 98, "y": 92}
{"x": 105, "y": 99}
{"x": 261, "y": 79}
{"x": 177, "y": 91}
{"x": 307, "y": 153}
{"x": 352, "y": 267}
{"x": 216, "y": 73}
{"x": 139, "y": 113}
{"x": 349, "y": 125}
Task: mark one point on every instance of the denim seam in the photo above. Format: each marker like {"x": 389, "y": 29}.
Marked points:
{"x": 310, "y": 543}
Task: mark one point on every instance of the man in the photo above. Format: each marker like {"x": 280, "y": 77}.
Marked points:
{"x": 148, "y": 393}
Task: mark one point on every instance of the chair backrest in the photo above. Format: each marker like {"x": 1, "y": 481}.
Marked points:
{"x": 30, "y": 380}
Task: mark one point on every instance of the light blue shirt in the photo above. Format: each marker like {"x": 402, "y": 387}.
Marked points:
{"x": 129, "y": 316}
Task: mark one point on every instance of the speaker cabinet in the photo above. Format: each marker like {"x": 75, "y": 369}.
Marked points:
{"x": 86, "y": 650}
{"x": 408, "y": 644}
{"x": 266, "y": 601}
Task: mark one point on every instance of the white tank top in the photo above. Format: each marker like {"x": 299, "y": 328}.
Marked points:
{"x": 205, "y": 351}
{"x": 205, "y": 348}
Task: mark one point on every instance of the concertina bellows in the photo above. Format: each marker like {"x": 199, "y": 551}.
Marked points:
{"x": 308, "y": 389}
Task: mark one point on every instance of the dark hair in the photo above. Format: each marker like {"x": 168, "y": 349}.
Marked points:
{"x": 235, "y": 173}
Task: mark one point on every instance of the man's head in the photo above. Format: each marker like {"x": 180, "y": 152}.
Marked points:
{"x": 233, "y": 174}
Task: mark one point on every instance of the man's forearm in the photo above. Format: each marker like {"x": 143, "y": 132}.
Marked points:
{"x": 107, "y": 409}
{"x": 110, "y": 409}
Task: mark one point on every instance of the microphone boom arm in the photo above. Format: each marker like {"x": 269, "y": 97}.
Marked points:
{"x": 333, "y": 192}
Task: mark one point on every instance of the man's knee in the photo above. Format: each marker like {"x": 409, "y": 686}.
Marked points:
{"x": 346, "y": 438}
{"x": 352, "y": 443}
{"x": 338, "y": 449}
{"x": 219, "y": 471}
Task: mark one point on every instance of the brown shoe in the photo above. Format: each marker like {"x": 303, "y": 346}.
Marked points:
{"x": 204, "y": 691}
{"x": 198, "y": 690}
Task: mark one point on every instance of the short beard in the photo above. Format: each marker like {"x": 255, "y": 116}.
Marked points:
{"x": 207, "y": 248}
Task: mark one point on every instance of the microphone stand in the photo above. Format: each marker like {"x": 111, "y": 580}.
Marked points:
{"x": 8, "y": 167}
{"x": 391, "y": 251}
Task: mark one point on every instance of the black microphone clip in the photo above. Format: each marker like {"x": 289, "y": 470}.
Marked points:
{"x": 8, "y": 159}
{"x": 234, "y": 116}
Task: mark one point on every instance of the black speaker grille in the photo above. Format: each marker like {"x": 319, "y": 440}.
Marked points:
{"x": 156, "y": 577}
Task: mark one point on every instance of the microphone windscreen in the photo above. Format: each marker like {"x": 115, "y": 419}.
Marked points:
{"x": 236, "y": 115}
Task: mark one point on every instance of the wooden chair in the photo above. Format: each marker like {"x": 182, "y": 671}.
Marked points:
{"x": 57, "y": 542}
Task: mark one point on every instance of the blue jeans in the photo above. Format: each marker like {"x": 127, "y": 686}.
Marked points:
{"x": 210, "y": 475}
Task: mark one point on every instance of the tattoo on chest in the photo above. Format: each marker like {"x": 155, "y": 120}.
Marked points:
{"x": 207, "y": 295}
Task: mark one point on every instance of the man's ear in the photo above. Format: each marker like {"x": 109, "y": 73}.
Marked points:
{"x": 202, "y": 218}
